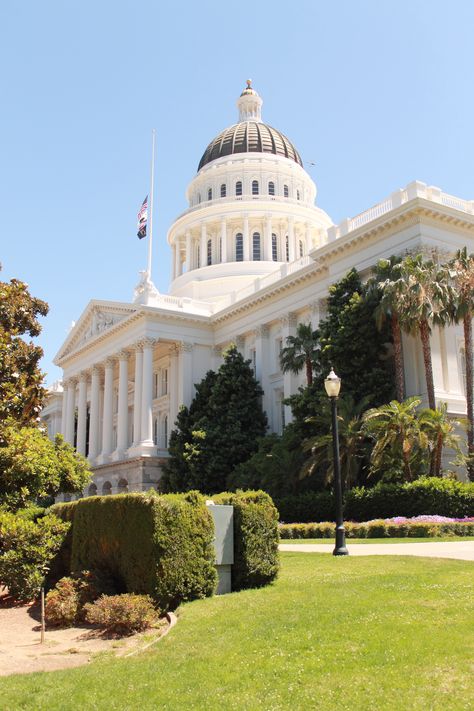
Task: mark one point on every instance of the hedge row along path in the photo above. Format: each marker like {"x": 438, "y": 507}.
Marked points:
{"x": 460, "y": 550}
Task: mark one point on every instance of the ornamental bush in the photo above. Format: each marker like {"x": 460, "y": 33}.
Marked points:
{"x": 160, "y": 546}
{"x": 64, "y": 605}
{"x": 26, "y": 551}
{"x": 122, "y": 614}
{"x": 376, "y": 529}
{"x": 256, "y": 561}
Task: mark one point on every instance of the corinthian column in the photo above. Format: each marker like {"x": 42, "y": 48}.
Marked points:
{"x": 137, "y": 397}
{"x": 246, "y": 236}
{"x": 94, "y": 414}
{"x": 122, "y": 420}
{"x": 189, "y": 251}
{"x": 107, "y": 425}
{"x": 223, "y": 240}
{"x": 71, "y": 410}
{"x": 268, "y": 238}
{"x": 82, "y": 415}
{"x": 147, "y": 394}
{"x": 203, "y": 249}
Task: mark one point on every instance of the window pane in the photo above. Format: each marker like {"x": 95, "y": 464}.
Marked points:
{"x": 285, "y": 191}
{"x": 209, "y": 252}
{"x": 256, "y": 246}
{"x": 209, "y": 194}
{"x": 287, "y": 243}
{"x": 271, "y": 188}
{"x": 238, "y": 188}
{"x": 274, "y": 248}
{"x": 239, "y": 248}
{"x": 255, "y": 187}
{"x": 223, "y": 190}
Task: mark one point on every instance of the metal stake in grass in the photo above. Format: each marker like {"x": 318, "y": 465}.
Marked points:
{"x": 42, "y": 615}
{"x": 333, "y": 384}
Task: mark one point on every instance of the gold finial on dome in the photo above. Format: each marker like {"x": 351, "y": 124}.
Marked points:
{"x": 249, "y": 83}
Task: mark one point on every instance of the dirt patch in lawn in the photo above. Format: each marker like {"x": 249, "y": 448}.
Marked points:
{"x": 21, "y": 650}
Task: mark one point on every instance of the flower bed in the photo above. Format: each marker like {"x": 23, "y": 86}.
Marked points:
{"x": 397, "y": 527}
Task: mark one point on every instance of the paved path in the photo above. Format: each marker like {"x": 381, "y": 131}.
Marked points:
{"x": 462, "y": 550}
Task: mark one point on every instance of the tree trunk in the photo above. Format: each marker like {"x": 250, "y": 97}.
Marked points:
{"x": 309, "y": 372}
{"x": 437, "y": 455}
{"x": 467, "y": 323}
{"x": 398, "y": 354}
{"x": 425, "y": 342}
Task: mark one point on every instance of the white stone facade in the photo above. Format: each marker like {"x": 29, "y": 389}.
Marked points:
{"x": 246, "y": 268}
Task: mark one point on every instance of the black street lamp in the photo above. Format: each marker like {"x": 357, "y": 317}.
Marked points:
{"x": 333, "y": 384}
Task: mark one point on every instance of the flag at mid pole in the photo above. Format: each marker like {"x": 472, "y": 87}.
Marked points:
{"x": 142, "y": 218}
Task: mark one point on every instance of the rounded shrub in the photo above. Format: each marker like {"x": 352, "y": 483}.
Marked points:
{"x": 122, "y": 614}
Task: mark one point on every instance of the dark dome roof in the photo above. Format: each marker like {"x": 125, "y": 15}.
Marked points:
{"x": 249, "y": 137}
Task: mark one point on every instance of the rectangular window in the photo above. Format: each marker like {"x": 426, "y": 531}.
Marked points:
{"x": 164, "y": 381}
{"x": 156, "y": 380}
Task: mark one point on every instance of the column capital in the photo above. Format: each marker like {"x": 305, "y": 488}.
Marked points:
{"x": 123, "y": 355}
{"x": 262, "y": 331}
{"x": 148, "y": 342}
{"x": 70, "y": 382}
{"x": 217, "y": 351}
{"x": 183, "y": 346}
{"x": 289, "y": 319}
{"x": 96, "y": 370}
{"x": 109, "y": 362}
{"x": 83, "y": 376}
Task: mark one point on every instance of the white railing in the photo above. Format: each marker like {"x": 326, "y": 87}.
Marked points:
{"x": 371, "y": 214}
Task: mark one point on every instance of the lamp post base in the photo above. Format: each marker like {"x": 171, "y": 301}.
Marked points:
{"x": 340, "y": 548}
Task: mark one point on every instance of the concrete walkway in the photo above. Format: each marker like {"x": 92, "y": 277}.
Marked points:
{"x": 461, "y": 550}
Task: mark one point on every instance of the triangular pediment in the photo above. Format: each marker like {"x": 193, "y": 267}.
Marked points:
{"x": 98, "y": 318}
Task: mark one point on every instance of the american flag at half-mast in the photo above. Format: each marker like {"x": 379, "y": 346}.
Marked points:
{"x": 142, "y": 219}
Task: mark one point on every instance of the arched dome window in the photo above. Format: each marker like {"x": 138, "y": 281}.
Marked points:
{"x": 297, "y": 194}
{"x": 256, "y": 247}
{"x": 223, "y": 190}
{"x": 199, "y": 198}
{"x": 238, "y": 187}
{"x": 254, "y": 187}
{"x": 285, "y": 191}
{"x": 209, "y": 252}
{"x": 239, "y": 247}
{"x": 271, "y": 188}
{"x": 209, "y": 194}
{"x": 301, "y": 248}
{"x": 274, "y": 248}
{"x": 287, "y": 248}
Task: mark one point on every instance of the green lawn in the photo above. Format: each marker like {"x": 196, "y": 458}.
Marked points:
{"x": 355, "y": 634}
{"x": 351, "y": 541}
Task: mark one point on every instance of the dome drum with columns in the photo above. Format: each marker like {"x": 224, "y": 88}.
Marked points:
{"x": 251, "y": 258}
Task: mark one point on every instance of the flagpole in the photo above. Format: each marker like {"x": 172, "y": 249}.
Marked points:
{"x": 150, "y": 221}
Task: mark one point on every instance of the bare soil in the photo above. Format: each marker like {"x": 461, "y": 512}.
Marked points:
{"x": 21, "y": 650}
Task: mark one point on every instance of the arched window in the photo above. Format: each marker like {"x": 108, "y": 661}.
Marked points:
{"x": 238, "y": 187}
{"x": 209, "y": 194}
{"x": 199, "y": 197}
{"x": 92, "y": 490}
{"x": 239, "y": 247}
{"x": 106, "y": 488}
{"x": 122, "y": 486}
{"x": 285, "y": 191}
{"x": 274, "y": 248}
{"x": 301, "y": 248}
{"x": 256, "y": 247}
{"x": 223, "y": 190}
{"x": 287, "y": 248}
{"x": 165, "y": 432}
{"x": 254, "y": 187}
{"x": 209, "y": 252}
{"x": 155, "y": 431}
{"x": 297, "y": 194}
{"x": 271, "y": 188}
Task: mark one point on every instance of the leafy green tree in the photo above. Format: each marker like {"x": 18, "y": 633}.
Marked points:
{"x": 400, "y": 442}
{"x": 441, "y": 432}
{"x": 461, "y": 272}
{"x": 21, "y": 381}
{"x": 222, "y": 432}
{"x": 353, "y": 444}
{"x": 386, "y": 281}
{"x": 301, "y": 352}
{"x": 32, "y": 467}
{"x": 424, "y": 297}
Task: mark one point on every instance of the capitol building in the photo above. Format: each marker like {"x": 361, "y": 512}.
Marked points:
{"x": 252, "y": 256}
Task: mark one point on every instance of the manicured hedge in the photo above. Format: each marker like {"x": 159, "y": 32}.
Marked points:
{"x": 376, "y": 529}
{"x": 430, "y": 495}
{"x": 445, "y": 497}
{"x": 148, "y": 544}
{"x": 256, "y": 561}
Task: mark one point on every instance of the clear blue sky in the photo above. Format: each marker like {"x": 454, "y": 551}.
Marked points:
{"x": 376, "y": 93}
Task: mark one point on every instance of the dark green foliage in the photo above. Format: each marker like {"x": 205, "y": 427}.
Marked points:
{"x": 122, "y": 614}
{"x": 444, "y": 497}
{"x": 61, "y": 563}
{"x": 256, "y": 560}
{"x": 307, "y": 507}
{"x": 26, "y": 551}
{"x": 220, "y": 430}
{"x": 155, "y": 545}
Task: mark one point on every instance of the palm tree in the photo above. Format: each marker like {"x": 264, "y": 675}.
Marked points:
{"x": 461, "y": 271}
{"x": 300, "y": 352}
{"x": 440, "y": 429}
{"x": 387, "y": 275}
{"x": 352, "y": 442}
{"x": 397, "y": 434}
{"x": 424, "y": 296}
